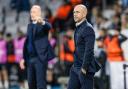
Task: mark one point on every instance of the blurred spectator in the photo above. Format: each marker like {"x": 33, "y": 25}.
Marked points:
{"x": 113, "y": 45}
{"x": 75, "y": 2}
{"x": 3, "y": 61}
{"x": 66, "y": 51}
{"x": 61, "y": 16}
{"x": 117, "y": 8}
{"x": 116, "y": 23}
{"x": 10, "y": 48}
{"x": 52, "y": 40}
{"x": 124, "y": 45}
{"x": 102, "y": 33}
{"x": 13, "y": 4}
{"x": 20, "y": 5}
{"x": 101, "y": 81}
{"x": 99, "y": 20}
{"x": 18, "y": 49}
{"x": 124, "y": 20}
{"x": 11, "y": 65}
{"x": 51, "y": 81}
{"x": 48, "y": 14}
{"x": 3, "y": 14}
{"x": 18, "y": 45}
{"x": 94, "y": 15}
{"x": 124, "y": 31}
{"x": 64, "y": 15}
{"x": 92, "y": 3}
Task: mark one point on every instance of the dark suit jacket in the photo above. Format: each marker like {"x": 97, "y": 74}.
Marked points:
{"x": 84, "y": 38}
{"x": 40, "y": 42}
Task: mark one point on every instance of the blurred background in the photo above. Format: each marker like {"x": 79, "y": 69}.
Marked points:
{"x": 109, "y": 19}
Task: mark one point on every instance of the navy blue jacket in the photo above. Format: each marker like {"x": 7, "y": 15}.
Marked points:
{"x": 40, "y": 42}
{"x": 84, "y": 38}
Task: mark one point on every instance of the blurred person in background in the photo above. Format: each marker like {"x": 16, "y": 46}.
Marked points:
{"x": 94, "y": 14}
{"x": 51, "y": 81}
{"x": 117, "y": 9}
{"x": 63, "y": 18}
{"x": 53, "y": 41}
{"x": 48, "y": 14}
{"x": 124, "y": 20}
{"x": 116, "y": 23}
{"x": 3, "y": 63}
{"x": 10, "y": 55}
{"x": 10, "y": 48}
{"x": 100, "y": 78}
{"x": 124, "y": 31}
{"x": 18, "y": 47}
{"x": 66, "y": 51}
{"x": 97, "y": 25}
{"x": 103, "y": 33}
{"x": 37, "y": 50}
{"x": 113, "y": 43}
{"x": 124, "y": 46}
{"x": 20, "y": 6}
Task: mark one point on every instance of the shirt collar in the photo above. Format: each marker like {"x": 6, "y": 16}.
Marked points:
{"x": 77, "y": 24}
{"x": 34, "y": 22}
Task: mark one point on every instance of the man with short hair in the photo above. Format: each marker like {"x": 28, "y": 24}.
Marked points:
{"x": 37, "y": 50}
{"x": 85, "y": 65}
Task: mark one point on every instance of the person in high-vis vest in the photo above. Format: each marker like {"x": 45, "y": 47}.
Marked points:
{"x": 66, "y": 51}
{"x": 18, "y": 47}
{"x": 3, "y": 61}
{"x": 113, "y": 46}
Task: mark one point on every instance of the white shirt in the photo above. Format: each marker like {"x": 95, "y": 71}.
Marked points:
{"x": 35, "y": 22}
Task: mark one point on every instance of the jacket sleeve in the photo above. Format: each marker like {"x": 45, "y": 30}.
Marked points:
{"x": 47, "y": 26}
{"x": 89, "y": 39}
{"x": 122, "y": 38}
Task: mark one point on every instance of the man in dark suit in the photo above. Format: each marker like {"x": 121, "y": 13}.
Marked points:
{"x": 85, "y": 65}
{"x": 37, "y": 50}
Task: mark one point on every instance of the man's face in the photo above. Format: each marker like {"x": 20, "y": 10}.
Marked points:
{"x": 35, "y": 13}
{"x": 78, "y": 14}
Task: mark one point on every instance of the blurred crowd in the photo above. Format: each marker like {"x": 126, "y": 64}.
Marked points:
{"x": 108, "y": 17}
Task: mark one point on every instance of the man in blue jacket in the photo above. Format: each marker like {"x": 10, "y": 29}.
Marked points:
{"x": 37, "y": 50}
{"x": 85, "y": 65}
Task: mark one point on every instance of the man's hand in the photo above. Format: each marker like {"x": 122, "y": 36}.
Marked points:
{"x": 22, "y": 64}
{"x": 83, "y": 71}
{"x": 40, "y": 20}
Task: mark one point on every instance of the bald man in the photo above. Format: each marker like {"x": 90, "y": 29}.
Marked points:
{"x": 37, "y": 50}
{"x": 85, "y": 65}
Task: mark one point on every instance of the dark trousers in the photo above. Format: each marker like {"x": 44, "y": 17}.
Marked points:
{"x": 80, "y": 81}
{"x": 36, "y": 74}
